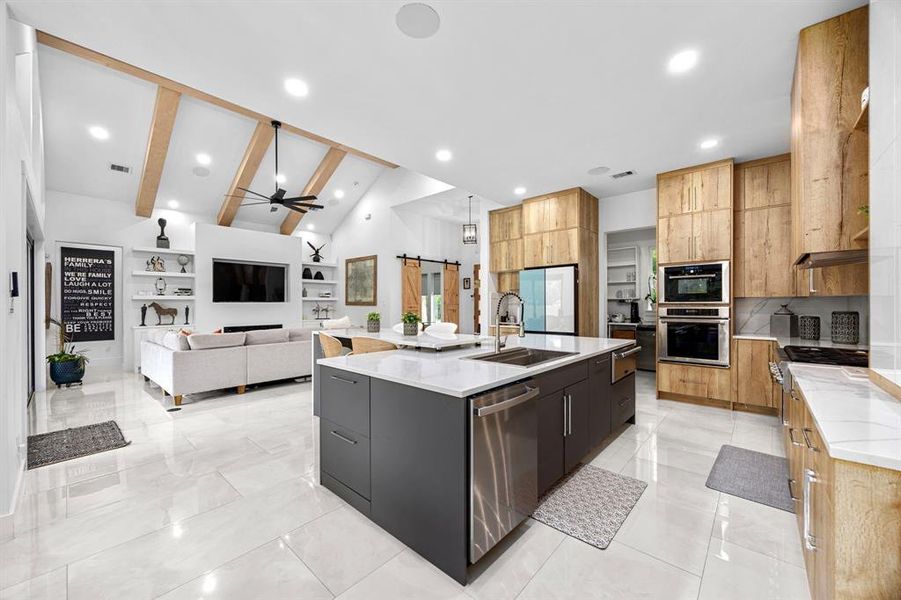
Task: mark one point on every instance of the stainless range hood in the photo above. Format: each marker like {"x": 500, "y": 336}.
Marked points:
{"x": 815, "y": 260}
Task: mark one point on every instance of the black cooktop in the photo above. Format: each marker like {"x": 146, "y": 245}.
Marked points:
{"x": 828, "y": 356}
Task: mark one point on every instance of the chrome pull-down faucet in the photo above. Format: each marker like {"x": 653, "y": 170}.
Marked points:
{"x": 497, "y": 328}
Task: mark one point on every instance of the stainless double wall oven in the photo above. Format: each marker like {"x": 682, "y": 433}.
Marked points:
{"x": 693, "y": 320}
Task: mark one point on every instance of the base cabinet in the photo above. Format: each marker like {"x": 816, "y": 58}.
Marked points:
{"x": 705, "y": 383}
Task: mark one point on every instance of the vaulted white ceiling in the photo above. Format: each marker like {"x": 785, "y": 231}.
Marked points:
{"x": 525, "y": 94}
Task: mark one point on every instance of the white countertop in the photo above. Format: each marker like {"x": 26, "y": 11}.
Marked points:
{"x": 796, "y": 341}
{"x": 859, "y": 421}
{"x": 449, "y": 372}
{"x": 423, "y": 340}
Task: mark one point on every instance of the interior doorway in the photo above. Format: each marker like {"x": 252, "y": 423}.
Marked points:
{"x": 476, "y": 298}
{"x": 29, "y": 302}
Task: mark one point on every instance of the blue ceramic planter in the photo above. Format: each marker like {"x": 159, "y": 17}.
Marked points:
{"x": 66, "y": 373}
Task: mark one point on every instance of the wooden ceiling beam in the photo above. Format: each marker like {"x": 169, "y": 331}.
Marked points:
{"x": 164, "y": 111}
{"x": 314, "y": 186}
{"x": 247, "y": 170}
{"x": 123, "y": 67}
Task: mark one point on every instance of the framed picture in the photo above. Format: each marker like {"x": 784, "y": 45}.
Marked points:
{"x": 467, "y": 283}
{"x": 361, "y": 281}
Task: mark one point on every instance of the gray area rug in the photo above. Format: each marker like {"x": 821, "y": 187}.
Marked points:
{"x": 754, "y": 476}
{"x": 591, "y": 505}
{"x": 57, "y": 446}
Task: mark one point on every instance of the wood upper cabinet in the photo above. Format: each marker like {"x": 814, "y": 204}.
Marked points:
{"x": 712, "y": 235}
{"x": 551, "y": 248}
{"x": 674, "y": 238}
{"x": 706, "y": 187}
{"x": 673, "y": 195}
{"x": 505, "y": 235}
{"x": 561, "y": 210}
{"x": 752, "y": 383}
{"x": 762, "y": 265}
{"x": 506, "y": 255}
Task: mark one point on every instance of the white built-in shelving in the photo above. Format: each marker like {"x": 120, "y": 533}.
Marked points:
{"x": 620, "y": 262}
{"x": 152, "y": 250}
{"x": 162, "y": 274}
{"x": 139, "y": 297}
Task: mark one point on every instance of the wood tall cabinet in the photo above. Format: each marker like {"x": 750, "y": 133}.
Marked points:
{"x": 554, "y": 229}
{"x": 752, "y": 385}
{"x": 762, "y": 257}
{"x": 829, "y": 156}
{"x": 694, "y": 213}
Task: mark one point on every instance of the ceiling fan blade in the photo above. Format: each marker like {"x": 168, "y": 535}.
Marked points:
{"x": 256, "y": 203}
{"x": 304, "y": 205}
{"x": 295, "y": 209}
{"x": 253, "y": 192}
{"x": 243, "y": 197}
{"x": 301, "y": 199}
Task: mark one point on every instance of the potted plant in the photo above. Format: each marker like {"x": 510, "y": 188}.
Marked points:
{"x": 373, "y": 322}
{"x": 67, "y": 364}
{"x": 411, "y": 323}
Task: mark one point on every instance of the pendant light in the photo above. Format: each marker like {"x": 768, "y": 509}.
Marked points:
{"x": 470, "y": 231}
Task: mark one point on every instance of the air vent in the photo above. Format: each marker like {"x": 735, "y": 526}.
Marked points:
{"x": 622, "y": 174}
{"x": 119, "y": 168}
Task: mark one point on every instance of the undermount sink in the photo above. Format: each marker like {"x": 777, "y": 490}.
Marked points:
{"x": 522, "y": 357}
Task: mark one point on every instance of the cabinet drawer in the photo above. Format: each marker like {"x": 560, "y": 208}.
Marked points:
{"x": 599, "y": 365}
{"x": 344, "y": 399}
{"x": 622, "y": 405}
{"x": 562, "y": 377}
{"x": 345, "y": 456}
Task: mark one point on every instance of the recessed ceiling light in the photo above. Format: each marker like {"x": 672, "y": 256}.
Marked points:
{"x": 339, "y": 194}
{"x": 519, "y": 191}
{"x": 417, "y": 20}
{"x": 598, "y": 170}
{"x": 682, "y": 61}
{"x": 444, "y": 155}
{"x": 311, "y": 227}
{"x": 172, "y": 204}
{"x": 297, "y": 87}
{"x": 98, "y": 132}
{"x": 710, "y": 143}
{"x": 203, "y": 159}
{"x": 280, "y": 178}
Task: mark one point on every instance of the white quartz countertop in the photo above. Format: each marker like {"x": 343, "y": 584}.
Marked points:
{"x": 450, "y": 372}
{"x": 859, "y": 421}
{"x": 796, "y": 341}
{"x": 423, "y": 340}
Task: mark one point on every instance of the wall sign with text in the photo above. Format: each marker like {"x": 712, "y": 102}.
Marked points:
{"x": 88, "y": 294}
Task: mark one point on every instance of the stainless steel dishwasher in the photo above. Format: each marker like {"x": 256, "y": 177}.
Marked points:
{"x": 503, "y": 463}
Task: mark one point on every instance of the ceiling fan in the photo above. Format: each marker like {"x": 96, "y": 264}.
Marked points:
{"x": 301, "y": 204}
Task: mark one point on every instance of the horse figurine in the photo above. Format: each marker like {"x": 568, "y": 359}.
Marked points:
{"x": 162, "y": 311}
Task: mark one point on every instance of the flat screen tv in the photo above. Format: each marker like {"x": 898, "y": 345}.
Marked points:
{"x": 247, "y": 282}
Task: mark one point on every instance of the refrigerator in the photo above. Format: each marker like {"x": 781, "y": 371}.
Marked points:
{"x": 550, "y": 298}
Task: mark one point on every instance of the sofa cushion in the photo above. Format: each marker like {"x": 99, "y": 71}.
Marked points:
{"x": 207, "y": 341}
{"x": 300, "y": 334}
{"x": 174, "y": 341}
{"x": 266, "y": 336}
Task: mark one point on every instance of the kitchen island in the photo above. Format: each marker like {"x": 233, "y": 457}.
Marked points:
{"x": 424, "y": 443}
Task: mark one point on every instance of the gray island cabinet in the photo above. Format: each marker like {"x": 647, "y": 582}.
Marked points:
{"x": 401, "y": 454}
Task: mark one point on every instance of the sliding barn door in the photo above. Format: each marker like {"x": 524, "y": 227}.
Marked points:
{"x": 452, "y": 294}
{"x": 411, "y": 286}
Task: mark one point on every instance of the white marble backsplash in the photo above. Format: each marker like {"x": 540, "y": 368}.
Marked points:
{"x": 752, "y": 315}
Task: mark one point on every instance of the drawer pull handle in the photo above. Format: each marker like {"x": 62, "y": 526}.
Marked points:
{"x": 623, "y": 401}
{"x": 810, "y": 446}
{"x": 791, "y": 489}
{"x": 791, "y": 436}
{"x": 335, "y": 377}
{"x": 343, "y": 438}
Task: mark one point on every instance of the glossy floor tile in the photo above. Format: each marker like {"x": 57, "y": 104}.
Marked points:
{"x": 220, "y": 500}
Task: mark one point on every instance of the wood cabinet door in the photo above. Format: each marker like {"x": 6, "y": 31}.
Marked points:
{"x": 751, "y": 373}
{"x": 674, "y": 238}
{"x": 506, "y": 255}
{"x": 505, "y": 224}
{"x": 578, "y": 441}
{"x": 712, "y": 235}
{"x": 600, "y": 395}
{"x": 843, "y": 280}
{"x": 762, "y": 261}
{"x": 534, "y": 250}
{"x": 552, "y": 212}
{"x": 562, "y": 246}
{"x": 550, "y": 440}
{"x": 673, "y": 195}
{"x": 712, "y": 188}
{"x": 820, "y": 505}
{"x": 690, "y": 380}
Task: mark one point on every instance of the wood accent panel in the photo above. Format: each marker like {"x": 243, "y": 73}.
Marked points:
{"x": 589, "y": 308}
{"x": 451, "y": 294}
{"x": 712, "y": 235}
{"x": 506, "y": 255}
{"x": 505, "y": 224}
{"x": 675, "y": 241}
{"x": 164, "y": 111}
{"x": 53, "y": 41}
{"x": 247, "y": 170}
{"x": 888, "y": 385}
{"x": 752, "y": 383}
{"x": 314, "y": 186}
{"x": 508, "y": 282}
{"x": 692, "y": 380}
{"x": 588, "y": 211}
{"x": 411, "y": 286}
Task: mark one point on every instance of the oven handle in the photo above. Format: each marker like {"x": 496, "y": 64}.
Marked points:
{"x": 708, "y": 276}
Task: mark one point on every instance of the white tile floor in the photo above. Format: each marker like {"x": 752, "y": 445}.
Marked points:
{"x": 219, "y": 500}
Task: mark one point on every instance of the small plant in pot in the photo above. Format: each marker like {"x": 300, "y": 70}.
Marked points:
{"x": 373, "y": 322}
{"x": 67, "y": 364}
{"x": 411, "y": 323}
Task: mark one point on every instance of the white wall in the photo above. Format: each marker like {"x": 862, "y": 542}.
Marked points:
{"x": 389, "y": 232}
{"x": 625, "y": 212}
{"x": 21, "y": 166}
{"x": 885, "y": 188}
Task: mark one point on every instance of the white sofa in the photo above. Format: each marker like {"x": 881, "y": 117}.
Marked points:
{"x": 204, "y": 362}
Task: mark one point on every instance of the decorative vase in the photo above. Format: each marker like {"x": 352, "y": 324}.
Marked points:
{"x": 307, "y": 273}
{"x": 845, "y": 327}
{"x": 376, "y": 326}
{"x": 411, "y": 328}
{"x": 809, "y": 327}
{"x": 67, "y": 372}
{"x": 318, "y": 276}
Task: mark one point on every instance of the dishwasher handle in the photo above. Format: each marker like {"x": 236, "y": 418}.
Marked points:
{"x": 622, "y": 355}
{"x": 529, "y": 394}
